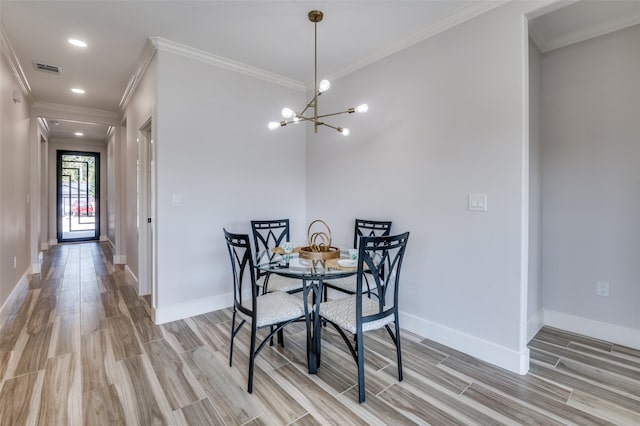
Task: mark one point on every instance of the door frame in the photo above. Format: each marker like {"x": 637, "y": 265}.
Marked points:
{"x": 147, "y": 251}
{"x": 96, "y": 208}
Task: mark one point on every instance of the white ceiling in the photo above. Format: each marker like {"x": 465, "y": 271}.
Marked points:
{"x": 274, "y": 36}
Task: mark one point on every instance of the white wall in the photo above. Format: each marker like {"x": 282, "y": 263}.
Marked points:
{"x": 15, "y": 178}
{"x": 140, "y": 109}
{"x": 535, "y": 314}
{"x": 448, "y": 118}
{"x": 214, "y": 149}
{"x": 591, "y": 233}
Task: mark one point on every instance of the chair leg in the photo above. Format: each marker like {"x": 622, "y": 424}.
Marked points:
{"x": 233, "y": 333}
{"x": 252, "y": 357}
{"x": 281, "y": 337}
{"x": 398, "y": 349}
{"x": 360, "y": 346}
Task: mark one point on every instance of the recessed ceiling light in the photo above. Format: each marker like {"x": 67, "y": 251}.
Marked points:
{"x": 79, "y": 134}
{"x": 76, "y": 90}
{"x": 77, "y": 42}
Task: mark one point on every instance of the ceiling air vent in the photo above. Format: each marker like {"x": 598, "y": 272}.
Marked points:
{"x": 52, "y": 69}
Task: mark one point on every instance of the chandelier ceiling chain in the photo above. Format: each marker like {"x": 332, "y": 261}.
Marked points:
{"x": 291, "y": 116}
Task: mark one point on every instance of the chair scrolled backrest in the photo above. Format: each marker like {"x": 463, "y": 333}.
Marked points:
{"x": 242, "y": 270}
{"x": 370, "y": 228}
{"x": 381, "y": 258}
{"x": 268, "y": 234}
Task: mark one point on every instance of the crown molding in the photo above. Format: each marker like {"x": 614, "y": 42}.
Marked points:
{"x": 14, "y": 63}
{"x": 593, "y": 32}
{"x": 228, "y": 64}
{"x": 51, "y": 110}
{"x": 469, "y": 12}
{"x": 146, "y": 56}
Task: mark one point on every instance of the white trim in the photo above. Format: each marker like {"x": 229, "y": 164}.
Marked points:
{"x": 517, "y": 362}
{"x": 52, "y": 110}
{"x": 133, "y": 276}
{"x": 14, "y": 64}
{"x": 535, "y": 324}
{"x": 588, "y": 34}
{"x": 166, "y": 314}
{"x": 103, "y": 238}
{"x": 597, "y": 329}
{"x": 53, "y": 242}
{"x": 21, "y": 287}
{"x": 141, "y": 67}
{"x": 457, "y": 18}
{"x": 44, "y": 246}
{"x": 524, "y": 186}
{"x": 35, "y": 268}
{"x": 119, "y": 259}
{"x": 221, "y": 62}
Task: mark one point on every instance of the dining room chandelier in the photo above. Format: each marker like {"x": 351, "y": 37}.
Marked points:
{"x": 290, "y": 116}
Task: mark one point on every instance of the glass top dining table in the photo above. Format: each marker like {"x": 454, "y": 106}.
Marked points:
{"x": 312, "y": 273}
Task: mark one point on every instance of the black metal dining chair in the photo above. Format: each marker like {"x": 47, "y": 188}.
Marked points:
{"x": 273, "y": 310}
{"x": 363, "y": 227}
{"x": 268, "y": 234}
{"x": 357, "y": 314}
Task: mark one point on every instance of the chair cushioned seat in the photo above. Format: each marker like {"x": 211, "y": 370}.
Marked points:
{"x": 342, "y": 312}
{"x": 280, "y": 283}
{"x": 347, "y": 284}
{"x": 277, "y": 307}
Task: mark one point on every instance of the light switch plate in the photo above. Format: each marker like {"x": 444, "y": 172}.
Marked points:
{"x": 478, "y": 202}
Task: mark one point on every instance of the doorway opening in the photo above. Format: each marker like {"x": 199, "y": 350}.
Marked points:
{"x": 78, "y": 189}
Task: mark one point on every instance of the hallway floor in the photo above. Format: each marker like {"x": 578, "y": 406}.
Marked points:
{"x": 79, "y": 348}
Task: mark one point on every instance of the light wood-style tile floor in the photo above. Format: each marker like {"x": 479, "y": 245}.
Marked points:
{"x": 79, "y": 348}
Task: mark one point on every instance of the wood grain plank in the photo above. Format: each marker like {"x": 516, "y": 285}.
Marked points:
{"x": 61, "y": 399}
{"x": 110, "y": 304}
{"x": 102, "y": 407}
{"x": 314, "y": 398}
{"x": 173, "y": 375}
{"x": 230, "y": 398}
{"x": 16, "y": 399}
{"x": 201, "y": 413}
{"x": 123, "y": 338}
{"x": 508, "y": 407}
{"x": 138, "y": 394}
{"x": 66, "y": 335}
{"x": 181, "y": 335}
{"x": 97, "y": 361}
{"x": 34, "y": 355}
{"x": 147, "y": 330}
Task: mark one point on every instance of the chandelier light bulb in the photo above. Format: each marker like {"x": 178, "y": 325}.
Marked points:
{"x": 310, "y": 112}
{"x": 324, "y": 86}
{"x": 287, "y": 112}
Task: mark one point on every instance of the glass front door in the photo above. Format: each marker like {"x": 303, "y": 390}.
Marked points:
{"x": 78, "y": 196}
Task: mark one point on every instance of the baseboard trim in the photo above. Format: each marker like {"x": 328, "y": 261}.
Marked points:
{"x": 21, "y": 287}
{"x": 164, "y": 314}
{"x": 517, "y": 362}
{"x": 44, "y": 246}
{"x": 535, "y": 324}
{"x": 53, "y": 242}
{"x": 119, "y": 259}
{"x": 103, "y": 238}
{"x": 591, "y": 328}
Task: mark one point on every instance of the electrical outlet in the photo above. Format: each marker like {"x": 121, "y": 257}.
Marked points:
{"x": 602, "y": 288}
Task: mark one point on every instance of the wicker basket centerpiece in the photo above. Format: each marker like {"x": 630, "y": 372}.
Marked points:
{"x": 319, "y": 247}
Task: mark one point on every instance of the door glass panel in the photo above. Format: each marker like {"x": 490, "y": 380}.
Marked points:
{"x": 78, "y": 213}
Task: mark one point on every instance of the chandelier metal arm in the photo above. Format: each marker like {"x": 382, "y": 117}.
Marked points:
{"x": 315, "y": 16}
